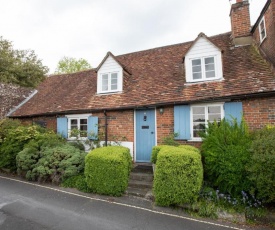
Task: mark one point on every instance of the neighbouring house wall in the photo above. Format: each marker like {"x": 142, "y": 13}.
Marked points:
{"x": 268, "y": 44}
{"x": 259, "y": 112}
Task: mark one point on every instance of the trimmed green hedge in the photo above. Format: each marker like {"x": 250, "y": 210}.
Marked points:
{"x": 107, "y": 170}
{"x": 178, "y": 176}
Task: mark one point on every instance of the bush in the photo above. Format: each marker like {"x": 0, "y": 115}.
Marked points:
{"x": 33, "y": 151}
{"x": 52, "y": 163}
{"x": 178, "y": 176}
{"x": 225, "y": 149}
{"x": 107, "y": 170}
{"x": 155, "y": 152}
{"x": 78, "y": 182}
{"x": 261, "y": 167}
{"x": 77, "y": 144}
{"x": 14, "y": 142}
{"x": 5, "y": 126}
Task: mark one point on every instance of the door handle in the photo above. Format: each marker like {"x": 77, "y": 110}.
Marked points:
{"x": 152, "y": 132}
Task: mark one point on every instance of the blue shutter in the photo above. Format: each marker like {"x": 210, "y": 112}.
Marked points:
{"x": 233, "y": 110}
{"x": 182, "y": 122}
{"x": 62, "y": 126}
{"x": 92, "y": 128}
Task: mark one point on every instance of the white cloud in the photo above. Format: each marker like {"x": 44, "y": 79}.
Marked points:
{"x": 88, "y": 29}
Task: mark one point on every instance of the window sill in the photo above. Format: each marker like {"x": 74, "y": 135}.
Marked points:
{"x": 195, "y": 140}
{"x": 203, "y": 81}
{"x": 108, "y": 93}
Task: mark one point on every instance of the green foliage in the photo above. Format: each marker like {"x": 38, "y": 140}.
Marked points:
{"x": 20, "y": 67}
{"x": 78, "y": 182}
{"x": 14, "y": 142}
{"x": 157, "y": 148}
{"x": 178, "y": 176}
{"x": 225, "y": 150}
{"x": 170, "y": 140}
{"x": 107, "y": 170}
{"x": 77, "y": 144}
{"x": 72, "y": 65}
{"x": 5, "y": 126}
{"x": 261, "y": 167}
{"x": 155, "y": 152}
{"x": 51, "y": 163}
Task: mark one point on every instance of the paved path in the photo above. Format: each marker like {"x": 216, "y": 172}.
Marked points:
{"x": 29, "y": 206}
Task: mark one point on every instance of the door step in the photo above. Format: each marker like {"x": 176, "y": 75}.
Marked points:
{"x": 141, "y": 180}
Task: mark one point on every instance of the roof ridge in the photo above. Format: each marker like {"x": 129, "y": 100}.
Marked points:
{"x": 166, "y": 46}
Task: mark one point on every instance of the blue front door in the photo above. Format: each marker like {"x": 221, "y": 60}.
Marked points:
{"x": 145, "y": 134}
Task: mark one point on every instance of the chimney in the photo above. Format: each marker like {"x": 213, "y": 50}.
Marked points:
{"x": 240, "y": 23}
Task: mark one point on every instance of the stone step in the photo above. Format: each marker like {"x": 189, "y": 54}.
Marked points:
{"x": 139, "y": 192}
{"x": 140, "y": 184}
{"x": 141, "y": 176}
{"x": 143, "y": 168}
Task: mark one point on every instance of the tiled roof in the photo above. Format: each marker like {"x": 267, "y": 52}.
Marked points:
{"x": 157, "y": 77}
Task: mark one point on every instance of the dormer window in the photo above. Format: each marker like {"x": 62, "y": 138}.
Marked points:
{"x": 203, "y": 61}
{"x": 262, "y": 30}
{"x": 109, "y": 82}
{"x": 203, "y": 68}
{"x": 109, "y": 76}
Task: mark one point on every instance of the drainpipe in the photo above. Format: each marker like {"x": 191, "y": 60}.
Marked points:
{"x": 106, "y": 128}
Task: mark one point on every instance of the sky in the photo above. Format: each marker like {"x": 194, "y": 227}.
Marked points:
{"x": 90, "y": 28}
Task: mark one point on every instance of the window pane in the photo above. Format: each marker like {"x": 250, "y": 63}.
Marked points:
{"x": 196, "y": 69}
{"x": 214, "y": 117}
{"x": 73, "y": 124}
{"x": 196, "y": 62}
{"x": 113, "y": 81}
{"x": 104, "y": 82}
{"x": 209, "y": 60}
{"x": 209, "y": 67}
{"x": 199, "y": 117}
{"x": 198, "y": 110}
{"x": 83, "y": 121}
{"x": 83, "y": 127}
{"x": 196, "y": 76}
{"x": 210, "y": 74}
{"x": 214, "y": 109}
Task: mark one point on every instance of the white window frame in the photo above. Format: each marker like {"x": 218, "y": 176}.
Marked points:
{"x": 206, "y": 114}
{"x": 77, "y": 117}
{"x": 109, "y": 82}
{"x": 203, "y": 68}
{"x": 261, "y": 29}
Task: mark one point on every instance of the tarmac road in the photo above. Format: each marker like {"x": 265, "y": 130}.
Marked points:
{"x": 30, "y": 206}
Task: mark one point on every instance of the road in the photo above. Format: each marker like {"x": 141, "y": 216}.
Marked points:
{"x": 30, "y": 206}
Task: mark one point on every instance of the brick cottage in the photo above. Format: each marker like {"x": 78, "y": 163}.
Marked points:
{"x": 142, "y": 97}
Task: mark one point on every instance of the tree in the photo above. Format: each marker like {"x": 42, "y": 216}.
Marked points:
{"x": 21, "y": 67}
{"x": 72, "y": 65}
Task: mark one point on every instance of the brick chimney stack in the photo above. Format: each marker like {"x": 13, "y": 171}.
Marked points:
{"x": 240, "y": 22}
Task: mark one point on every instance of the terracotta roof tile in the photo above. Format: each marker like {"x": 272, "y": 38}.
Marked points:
{"x": 157, "y": 77}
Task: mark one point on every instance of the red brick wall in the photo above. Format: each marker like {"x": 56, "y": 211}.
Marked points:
{"x": 120, "y": 125}
{"x": 268, "y": 44}
{"x": 240, "y": 19}
{"x": 50, "y": 121}
{"x": 259, "y": 112}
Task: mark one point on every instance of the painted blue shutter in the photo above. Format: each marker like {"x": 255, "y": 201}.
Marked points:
{"x": 182, "y": 122}
{"x": 62, "y": 126}
{"x": 233, "y": 110}
{"x": 92, "y": 127}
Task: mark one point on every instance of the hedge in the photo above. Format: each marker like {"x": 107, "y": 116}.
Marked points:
{"x": 107, "y": 170}
{"x": 178, "y": 176}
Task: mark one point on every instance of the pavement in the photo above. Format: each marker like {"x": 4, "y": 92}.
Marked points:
{"x": 32, "y": 206}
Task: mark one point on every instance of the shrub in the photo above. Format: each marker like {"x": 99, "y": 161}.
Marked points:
{"x": 261, "y": 167}
{"x": 155, "y": 152}
{"x": 107, "y": 170}
{"x": 5, "y": 126}
{"x": 225, "y": 149}
{"x": 14, "y": 142}
{"x": 77, "y": 144}
{"x": 33, "y": 151}
{"x": 51, "y": 163}
{"x": 170, "y": 140}
{"x": 178, "y": 176}
{"x": 78, "y": 182}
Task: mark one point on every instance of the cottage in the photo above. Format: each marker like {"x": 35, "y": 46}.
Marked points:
{"x": 144, "y": 96}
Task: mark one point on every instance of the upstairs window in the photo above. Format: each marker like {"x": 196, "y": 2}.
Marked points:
{"x": 203, "y": 68}
{"x": 262, "y": 30}
{"x": 109, "y": 82}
